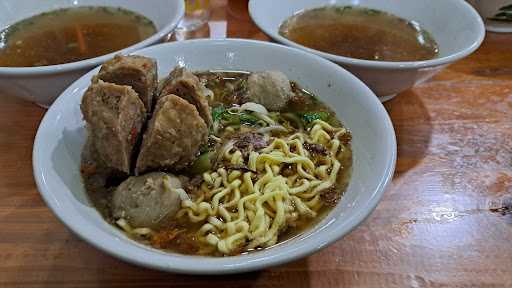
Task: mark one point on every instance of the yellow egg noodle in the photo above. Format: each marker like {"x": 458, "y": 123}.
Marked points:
{"x": 245, "y": 210}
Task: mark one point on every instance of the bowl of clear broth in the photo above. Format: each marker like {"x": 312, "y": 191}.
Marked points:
{"x": 215, "y": 161}
{"x": 390, "y": 45}
{"x": 46, "y": 45}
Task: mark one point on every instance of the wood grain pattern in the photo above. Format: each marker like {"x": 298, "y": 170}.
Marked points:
{"x": 446, "y": 220}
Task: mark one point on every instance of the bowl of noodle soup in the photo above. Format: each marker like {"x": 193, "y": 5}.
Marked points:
{"x": 62, "y": 138}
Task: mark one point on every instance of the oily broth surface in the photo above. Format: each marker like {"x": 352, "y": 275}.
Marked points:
{"x": 227, "y": 85}
{"x": 360, "y": 33}
{"x": 71, "y": 34}
{"x": 230, "y": 85}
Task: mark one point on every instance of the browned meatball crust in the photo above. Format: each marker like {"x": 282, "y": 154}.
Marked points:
{"x": 173, "y": 137}
{"x": 183, "y": 83}
{"x": 115, "y": 116}
{"x": 139, "y": 72}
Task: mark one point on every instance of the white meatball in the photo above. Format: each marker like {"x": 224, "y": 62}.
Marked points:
{"x": 146, "y": 201}
{"x": 269, "y": 88}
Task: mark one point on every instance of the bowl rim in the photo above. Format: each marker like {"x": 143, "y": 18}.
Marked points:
{"x": 91, "y": 62}
{"x": 213, "y": 265}
{"x": 381, "y": 64}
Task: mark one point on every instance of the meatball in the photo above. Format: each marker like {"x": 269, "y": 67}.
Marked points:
{"x": 146, "y": 201}
{"x": 136, "y": 71}
{"x": 115, "y": 116}
{"x": 269, "y": 88}
{"x": 94, "y": 171}
{"x": 173, "y": 137}
{"x": 186, "y": 85}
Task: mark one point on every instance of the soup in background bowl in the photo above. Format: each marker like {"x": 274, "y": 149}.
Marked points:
{"x": 360, "y": 33}
{"x": 455, "y": 26}
{"x": 71, "y": 34}
{"x": 43, "y": 84}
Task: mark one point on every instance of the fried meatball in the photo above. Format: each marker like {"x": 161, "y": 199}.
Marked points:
{"x": 269, "y": 88}
{"x": 186, "y": 85}
{"x": 173, "y": 137}
{"x": 136, "y": 71}
{"x": 115, "y": 116}
{"x": 146, "y": 201}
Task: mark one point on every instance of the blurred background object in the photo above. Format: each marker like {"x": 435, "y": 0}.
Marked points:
{"x": 197, "y": 13}
{"x": 238, "y": 9}
{"x": 195, "y": 22}
{"x": 214, "y": 22}
{"x": 497, "y": 14}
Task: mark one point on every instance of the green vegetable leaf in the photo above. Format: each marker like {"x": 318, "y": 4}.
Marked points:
{"x": 217, "y": 112}
{"x": 230, "y": 119}
{"x": 309, "y": 117}
{"x": 204, "y": 148}
{"x": 504, "y": 14}
{"x": 341, "y": 9}
{"x": 201, "y": 165}
{"x": 242, "y": 85}
{"x": 372, "y": 12}
{"x": 220, "y": 113}
{"x": 248, "y": 119}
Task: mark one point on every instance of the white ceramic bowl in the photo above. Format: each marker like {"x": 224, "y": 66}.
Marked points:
{"x": 43, "y": 84}
{"x": 454, "y": 24}
{"x": 59, "y": 140}
{"x": 488, "y": 9}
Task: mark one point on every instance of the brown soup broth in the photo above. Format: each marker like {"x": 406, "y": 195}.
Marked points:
{"x": 180, "y": 236}
{"x": 360, "y": 33}
{"x": 71, "y": 34}
{"x": 230, "y": 84}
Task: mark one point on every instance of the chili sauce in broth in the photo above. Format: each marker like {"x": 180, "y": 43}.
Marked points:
{"x": 228, "y": 87}
{"x": 360, "y": 33}
{"x": 71, "y": 34}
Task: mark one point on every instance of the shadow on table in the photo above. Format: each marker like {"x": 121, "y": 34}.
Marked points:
{"x": 74, "y": 262}
{"x": 294, "y": 274}
{"x": 413, "y": 129}
{"x": 55, "y": 257}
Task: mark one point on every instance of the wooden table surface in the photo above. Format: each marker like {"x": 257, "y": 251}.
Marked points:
{"x": 446, "y": 220}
